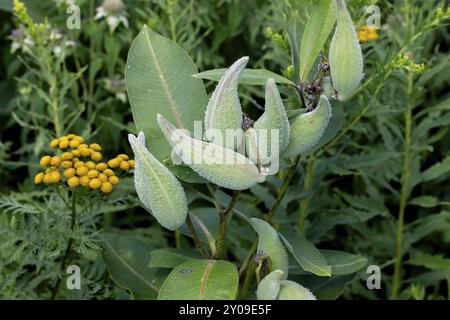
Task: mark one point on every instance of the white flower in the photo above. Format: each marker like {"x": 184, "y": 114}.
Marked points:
{"x": 114, "y": 12}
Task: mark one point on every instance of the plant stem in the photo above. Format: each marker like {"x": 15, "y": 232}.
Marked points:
{"x": 287, "y": 181}
{"x": 248, "y": 279}
{"x": 223, "y": 215}
{"x": 307, "y": 184}
{"x": 196, "y": 238}
{"x": 396, "y": 280}
{"x": 68, "y": 248}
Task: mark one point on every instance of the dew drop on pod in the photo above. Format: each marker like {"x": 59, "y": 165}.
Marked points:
{"x": 224, "y": 111}
{"x": 269, "y": 243}
{"x": 345, "y": 56}
{"x": 222, "y": 166}
{"x": 157, "y": 188}
{"x": 308, "y": 128}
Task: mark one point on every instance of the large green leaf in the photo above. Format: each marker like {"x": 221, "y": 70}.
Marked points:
{"x": 158, "y": 79}
{"x": 171, "y": 257}
{"x": 306, "y": 254}
{"x": 257, "y": 77}
{"x": 317, "y": 31}
{"x": 201, "y": 280}
{"x": 343, "y": 262}
{"x": 127, "y": 260}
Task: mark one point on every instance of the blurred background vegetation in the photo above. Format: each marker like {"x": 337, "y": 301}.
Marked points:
{"x": 386, "y": 154}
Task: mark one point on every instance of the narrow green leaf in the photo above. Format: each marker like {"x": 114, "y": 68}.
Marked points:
{"x": 342, "y": 262}
{"x": 171, "y": 257}
{"x": 158, "y": 79}
{"x": 317, "y": 30}
{"x": 201, "y": 280}
{"x": 425, "y": 201}
{"x": 257, "y": 77}
{"x": 306, "y": 254}
{"x": 437, "y": 170}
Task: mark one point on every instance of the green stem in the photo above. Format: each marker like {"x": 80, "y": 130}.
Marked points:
{"x": 196, "y": 238}
{"x": 68, "y": 248}
{"x": 177, "y": 239}
{"x": 248, "y": 278}
{"x": 173, "y": 31}
{"x": 396, "y": 280}
{"x": 307, "y": 184}
{"x": 223, "y": 215}
{"x": 287, "y": 181}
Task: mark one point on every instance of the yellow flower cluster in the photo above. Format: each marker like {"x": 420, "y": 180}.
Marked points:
{"x": 80, "y": 164}
{"x": 367, "y": 33}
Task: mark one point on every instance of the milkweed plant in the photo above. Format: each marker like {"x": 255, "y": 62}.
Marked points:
{"x": 239, "y": 194}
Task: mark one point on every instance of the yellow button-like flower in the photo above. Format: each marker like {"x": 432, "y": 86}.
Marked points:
{"x": 39, "y": 178}
{"x": 76, "y": 153}
{"x": 45, "y": 161}
{"x": 63, "y": 143}
{"x": 90, "y": 165}
{"x": 92, "y": 174}
{"x": 74, "y": 144}
{"x": 96, "y": 156}
{"x": 114, "y": 163}
{"x": 101, "y": 166}
{"x": 123, "y": 156}
{"x": 108, "y": 172}
{"x": 67, "y": 156}
{"x": 81, "y": 171}
{"x": 124, "y": 165}
{"x": 79, "y": 138}
{"x": 131, "y": 163}
{"x": 114, "y": 180}
{"x": 47, "y": 178}
{"x": 95, "y": 183}
{"x": 55, "y": 176}
{"x": 73, "y": 182}
{"x": 66, "y": 164}
{"x": 70, "y": 172}
{"x": 103, "y": 177}
{"x": 85, "y": 152}
{"x": 106, "y": 187}
{"x": 56, "y": 161}
{"x": 78, "y": 164}
{"x": 84, "y": 181}
{"x": 75, "y": 160}
{"x": 95, "y": 147}
{"x": 54, "y": 143}
{"x": 70, "y": 136}
{"x": 82, "y": 146}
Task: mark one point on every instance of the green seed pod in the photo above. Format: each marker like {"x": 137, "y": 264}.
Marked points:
{"x": 269, "y": 287}
{"x": 224, "y": 109}
{"x": 270, "y": 244}
{"x": 346, "y": 60}
{"x": 157, "y": 187}
{"x": 308, "y": 128}
{"x": 218, "y": 164}
{"x": 291, "y": 290}
{"x": 273, "y": 118}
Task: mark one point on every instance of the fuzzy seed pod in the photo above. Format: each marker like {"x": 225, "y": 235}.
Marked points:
{"x": 270, "y": 244}
{"x": 220, "y": 165}
{"x": 346, "y": 60}
{"x": 308, "y": 128}
{"x": 291, "y": 290}
{"x": 224, "y": 108}
{"x": 269, "y": 287}
{"x": 273, "y": 118}
{"x": 157, "y": 187}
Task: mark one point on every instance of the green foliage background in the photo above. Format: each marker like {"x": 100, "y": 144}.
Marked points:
{"x": 386, "y": 154}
